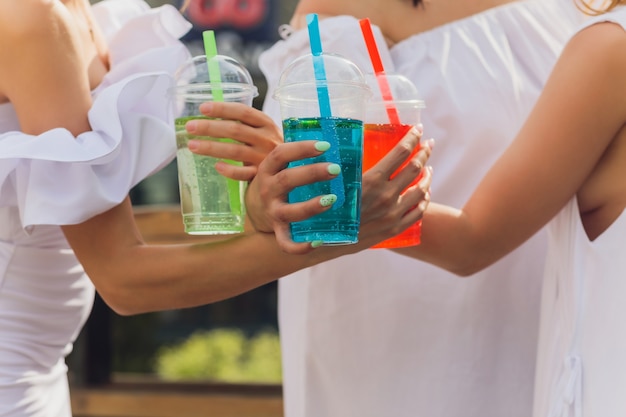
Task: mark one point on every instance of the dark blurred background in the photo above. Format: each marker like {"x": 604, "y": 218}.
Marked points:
{"x": 114, "y": 347}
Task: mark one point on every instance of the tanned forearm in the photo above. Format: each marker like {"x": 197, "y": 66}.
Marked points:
{"x": 134, "y": 277}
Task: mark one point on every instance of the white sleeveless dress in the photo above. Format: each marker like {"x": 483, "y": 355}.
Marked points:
{"x": 378, "y": 334}
{"x": 54, "y": 179}
{"x": 581, "y": 364}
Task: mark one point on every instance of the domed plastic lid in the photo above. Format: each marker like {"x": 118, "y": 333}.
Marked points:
{"x": 401, "y": 88}
{"x": 405, "y": 105}
{"x": 337, "y": 70}
{"x": 299, "y": 87}
{"x": 234, "y": 78}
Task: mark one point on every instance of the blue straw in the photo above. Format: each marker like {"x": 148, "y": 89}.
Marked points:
{"x": 318, "y": 65}
{"x": 323, "y": 98}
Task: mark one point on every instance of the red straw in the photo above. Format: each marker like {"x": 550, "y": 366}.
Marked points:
{"x": 379, "y": 70}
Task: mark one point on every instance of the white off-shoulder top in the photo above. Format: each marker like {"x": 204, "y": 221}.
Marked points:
{"x": 55, "y": 179}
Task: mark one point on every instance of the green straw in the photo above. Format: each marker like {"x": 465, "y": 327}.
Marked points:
{"x": 215, "y": 78}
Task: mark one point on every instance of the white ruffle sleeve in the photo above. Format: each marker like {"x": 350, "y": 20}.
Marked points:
{"x": 56, "y": 178}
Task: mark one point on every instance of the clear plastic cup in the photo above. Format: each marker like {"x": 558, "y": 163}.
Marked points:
{"x": 382, "y": 132}
{"x": 298, "y": 93}
{"x": 210, "y": 203}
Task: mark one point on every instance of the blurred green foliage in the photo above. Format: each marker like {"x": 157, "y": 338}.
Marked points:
{"x": 222, "y": 354}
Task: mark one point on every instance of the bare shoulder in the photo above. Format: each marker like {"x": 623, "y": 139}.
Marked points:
{"x": 600, "y": 45}
{"x": 30, "y": 27}
{"x": 602, "y": 33}
{"x": 24, "y": 16}
{"x": 41, "y": 60}
{"x": 22, "y": 23}
{"x": 593, "y": 63}
{"x": 31, "y": 24}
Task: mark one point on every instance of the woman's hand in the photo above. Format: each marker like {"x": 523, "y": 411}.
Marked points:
{"x": 266, "y": 199}
{"x": 385, "y": 209}
{"x": 255, "y": 132}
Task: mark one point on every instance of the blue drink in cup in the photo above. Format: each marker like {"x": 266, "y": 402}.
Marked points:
{"x": 340, "y": 224}
{"x": 341, "y": 124}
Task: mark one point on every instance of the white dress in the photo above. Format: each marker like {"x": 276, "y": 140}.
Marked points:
{"x": 378, "y": 334}
{"x": 54, "y": 179}
{"x": 581, "y": 363}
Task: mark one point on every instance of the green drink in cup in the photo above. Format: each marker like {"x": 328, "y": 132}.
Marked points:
{"x": 210, "y": 203}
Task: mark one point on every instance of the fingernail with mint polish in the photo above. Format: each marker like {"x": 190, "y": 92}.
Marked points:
{"x": 328, "y": 200}
{"x": 334, "y": 169}
{"x": 316, "y": 244}
{"x": 322, "y": 146}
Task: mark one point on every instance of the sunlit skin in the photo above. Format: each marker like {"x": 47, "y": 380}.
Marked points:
{"x": 67, "y": 58}
{"x": 397, "y": 19}
{"x": 567, "y": 148}
{"x": 575, "y": 151}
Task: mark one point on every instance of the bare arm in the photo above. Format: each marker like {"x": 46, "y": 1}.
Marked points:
{"x": 132, "y": 277}
{"x": 576, "y": 119}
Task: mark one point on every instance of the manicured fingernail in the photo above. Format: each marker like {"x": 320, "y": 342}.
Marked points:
{"x": 420, "y": 128}
{"x": 317, "y": 243}
{"x": 191, "y": 126}
{"x": 322, "y": 146}
{"x": 206, "y": 107}
{"x": 328, "y": 200}
{"x": 334, "y": 169}
{"x": 431, "y": 143}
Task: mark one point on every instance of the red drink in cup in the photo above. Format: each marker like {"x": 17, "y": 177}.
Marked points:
{"x": 388, "y": 119}
{"x": 378, "y": 140}
{"x": 391, "y": 112}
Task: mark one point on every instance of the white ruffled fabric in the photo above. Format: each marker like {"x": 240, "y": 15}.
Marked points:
{"x": 581, "y": 365}
{"x": 55, "y": 178}
{"x": 380, "y": 334}
{"x": 132, "y": 131}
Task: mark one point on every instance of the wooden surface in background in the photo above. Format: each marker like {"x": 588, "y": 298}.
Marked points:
{"x": 178, "y": 400}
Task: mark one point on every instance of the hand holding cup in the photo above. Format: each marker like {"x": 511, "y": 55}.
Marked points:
{"x": 389, "y": 205}
{"x": 254, "y": 133}
{"x": 396, "y": 191}
{"x": 266, "y": 199}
